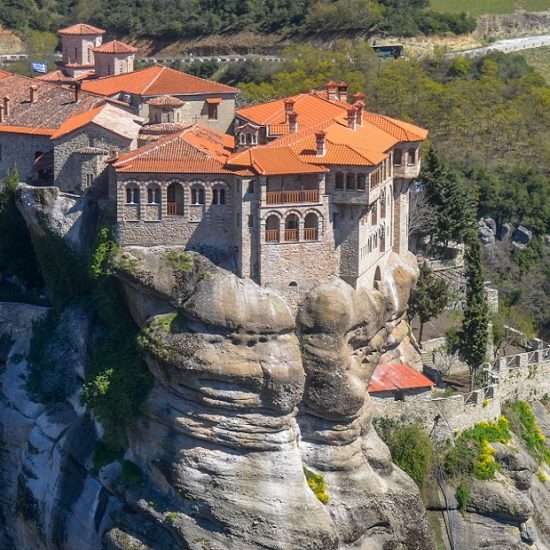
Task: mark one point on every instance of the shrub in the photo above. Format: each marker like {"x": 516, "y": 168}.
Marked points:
{"x": 104, "y": 455}
{"x": 132, "y": 474}
{"x": 182, "y": 261}
{"x": 525, "y": 426}
{"x": 462, "y": 495}
{"x": 472, "y": 453}
{"x": 411, "y": 448}
{"x": 317, "y": 484}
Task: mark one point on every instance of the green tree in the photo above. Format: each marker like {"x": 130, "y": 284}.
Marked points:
{"x": 16, "y": 251}
{"x": 447, "y": 194}
{"x": 428, "y": 299}
{"x": 473, "y": 336}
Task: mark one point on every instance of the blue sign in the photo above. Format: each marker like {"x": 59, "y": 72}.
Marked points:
{"x": 40, "y": 67}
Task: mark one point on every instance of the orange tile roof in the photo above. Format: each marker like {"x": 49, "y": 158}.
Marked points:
{"x": 194, "y": 150}
{"x": 275, "y": 161}
{"x": 166, "y": 101}
{"x": 397, "y": 377}
{"x": 81, "y": 29}
{"x": 6, "y": 129}
{"x": 156, "y": 80}
{"x": 310, "y": 109}
{"x": 114, "y": 47}
{"x": 59, "y": 77}
{"x": 401, "y": 130}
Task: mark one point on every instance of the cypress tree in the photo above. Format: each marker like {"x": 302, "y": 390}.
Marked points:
{"x": 447, "y": 194}
{"x": 473, "y": 337}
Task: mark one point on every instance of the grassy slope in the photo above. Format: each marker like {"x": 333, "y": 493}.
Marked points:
{"x": 480, "y": 7}
{"x": 540, "y": 59}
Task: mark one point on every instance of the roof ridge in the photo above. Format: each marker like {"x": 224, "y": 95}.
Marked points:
{"x": 162, "y": 68}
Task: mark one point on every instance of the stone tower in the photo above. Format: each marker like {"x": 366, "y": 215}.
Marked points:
{"x": 114, "y": 58}
{"x": 78, "y": 43}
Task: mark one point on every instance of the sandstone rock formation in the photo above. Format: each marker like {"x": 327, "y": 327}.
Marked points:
{"x": 249, "y": 402}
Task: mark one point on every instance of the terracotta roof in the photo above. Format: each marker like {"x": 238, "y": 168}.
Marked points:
{"x": 114, "y": 47}
{"x": 401, "y": 130}
{"x": 81, "y": 29}
{"x": 156, "y": 80}
{"x": 61, "y": 78}
{"x": 274, "y": 161}
{"x": 310, "y": 108}
{"x": 194, "y": 150}
{"x": 397, "y": 377}
{"x": 111, "y": 118}
{"x": 163, "y": 127}
{"x": 166, "y": 101}
{"x": 54, "y": 104}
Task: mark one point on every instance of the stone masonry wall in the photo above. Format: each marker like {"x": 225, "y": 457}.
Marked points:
{"x": 20, "y": 150}
{"x": 71, "y": 167}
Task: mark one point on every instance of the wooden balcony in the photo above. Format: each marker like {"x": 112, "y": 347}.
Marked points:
{"x": 272, "y": 236}
{"x": 292, "y": 197}
{"x": 291, "y": 234}
{"x": 310, "y": 234}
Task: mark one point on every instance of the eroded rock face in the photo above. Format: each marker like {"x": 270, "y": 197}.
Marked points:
{"x": 247, "y": 397}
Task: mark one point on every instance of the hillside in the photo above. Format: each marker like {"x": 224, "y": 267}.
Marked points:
{"x": 482, "y": 7}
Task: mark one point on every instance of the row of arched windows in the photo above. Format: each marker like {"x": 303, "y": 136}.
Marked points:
{"x": 291, "y": 229}
{"x": 175, "y": 193}
{"x": 376, "y": 242}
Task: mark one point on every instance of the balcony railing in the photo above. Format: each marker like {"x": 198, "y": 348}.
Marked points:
{"x": 310, "y": 233}
{"x": 292, "y": 197}
{"x": 291, "y": 234}
{"x": 272, "y": 236}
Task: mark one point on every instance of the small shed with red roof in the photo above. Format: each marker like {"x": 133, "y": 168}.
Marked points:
{"x": 398, "y": 382}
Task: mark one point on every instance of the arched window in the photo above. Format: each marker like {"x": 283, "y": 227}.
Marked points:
{"x": 370, "y": 245}
{"x": 174, "y": 199}
{"x": 242, "y": 138}
{"x": 153, "y": 194}
{"x": 311, "y": 225}
{"x": 89, "y": 54}
{"x": 350, "y": 182}
{"x": 382, "y": 239}
{"x": 291, "y": 227}
{"x": 361, "y": 181}
{"x": 197, "y": 195}
{"x": 218, "y": 196}
{"x": 132, "y": 194}
{"x": 411, "y": 156}
{"x": 374, "y": 219}
{"x": 383, "y": 204}
{"x": 293, "y": 284}
{"x": 397, "y": 157}
{"x": 339, "y": 180}
{"x": 272, "y": 229}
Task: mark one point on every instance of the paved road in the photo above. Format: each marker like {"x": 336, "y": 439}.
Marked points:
{"x": 507, "y": 46}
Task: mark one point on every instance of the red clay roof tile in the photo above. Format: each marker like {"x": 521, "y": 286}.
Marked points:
{"x": 156, "y": 80}
{"x": 81, "y": 29}
{"x": 114, "y": 47}
{"x": 397, "y": 377}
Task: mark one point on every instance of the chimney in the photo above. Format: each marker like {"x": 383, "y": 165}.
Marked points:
{"x": 114, "y": 152}
{"x": 1, "y": 114}
{"x": 359, "y": 106}
{"x": 7, "y": 106}
{"x": 352, "y": 115}
{"x": 359, "y": 97}
{"x": 293, "y": 121}
{"x": 77, "y": 86}
{"x": 321, "y": 143}
{"x": 343, "y": 91}
{"x": 34, "y": 93}
{"x": 332, "y": 90}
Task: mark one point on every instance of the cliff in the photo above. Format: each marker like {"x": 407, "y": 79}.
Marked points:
{"x": 256, "y": 433}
